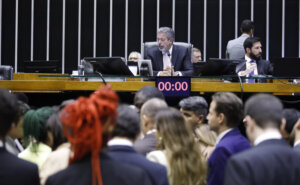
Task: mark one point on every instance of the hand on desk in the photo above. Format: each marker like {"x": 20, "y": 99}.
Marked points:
{"x": 168, "y": 71}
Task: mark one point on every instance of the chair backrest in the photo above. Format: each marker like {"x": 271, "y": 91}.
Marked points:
{"x": 149, "y": 45}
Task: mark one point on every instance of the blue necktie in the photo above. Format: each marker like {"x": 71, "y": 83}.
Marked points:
{"x": 251, "y": 74}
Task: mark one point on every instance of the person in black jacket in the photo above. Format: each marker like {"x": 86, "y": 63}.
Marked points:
{"x": 13, "y": 171}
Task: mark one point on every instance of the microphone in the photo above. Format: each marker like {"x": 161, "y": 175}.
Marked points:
{"x": 101, "y": 76}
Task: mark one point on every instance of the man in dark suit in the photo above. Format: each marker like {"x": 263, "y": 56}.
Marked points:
{"x": 253, "y": 64}
{"x": 13, "y": 170}
{"x": 225, "y": 114}
{"x": 167, "y": 58}
{"x": 120, "y": 147}
{"x": 87, "y": 164}
{"x": 271, "y": 161}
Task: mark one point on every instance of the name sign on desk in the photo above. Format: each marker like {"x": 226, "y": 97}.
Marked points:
{"x": 174, "y": 86}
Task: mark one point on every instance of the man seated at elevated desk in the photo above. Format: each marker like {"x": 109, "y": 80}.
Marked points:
{"x": 253, "y": 64}
{"x": 169, "y": 59}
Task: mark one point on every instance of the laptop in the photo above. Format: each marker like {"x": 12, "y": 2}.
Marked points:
{"x": 286, "y": 67}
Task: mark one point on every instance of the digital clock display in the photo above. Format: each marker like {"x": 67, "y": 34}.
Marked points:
{"x": 174, "y": 86}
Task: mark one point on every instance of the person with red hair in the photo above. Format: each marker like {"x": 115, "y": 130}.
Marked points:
{"x": 87, "y": 124}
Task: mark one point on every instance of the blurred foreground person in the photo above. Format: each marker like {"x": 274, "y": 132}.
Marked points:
{"x": 87, "y": 124}
{"x": 121, "y": 146}
{"x": 271, "y": 161}
{"x": 36, "y": 138}
{"x": 13, "y": 171}
{"x": 225, "y": 114}
{"x": 178, "y": 150}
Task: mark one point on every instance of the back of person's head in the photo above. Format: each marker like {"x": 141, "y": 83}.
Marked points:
{"x": 152, "y": 106}
{"x": 145, "y": 94}
{"x": 169, "y": 31}
{"x": 248, "y": 43}
{"x": 231, "y": 106}
{"x": 34, "y": 125}
{"x": 22, "y": 97}
{"x": 183, "y": 153}
{"x": 197, "y": 104}
{"x": 247, "y": 25}
{"x": 8, "y": 111}
{"x": 291, "y": 117}
{"x": 87, "y": 123}
{"x": 128, "y": 123}
{"x": 265, "y": 109}
{"x": 23, "y": 108}
{"x": 55, "y": 129}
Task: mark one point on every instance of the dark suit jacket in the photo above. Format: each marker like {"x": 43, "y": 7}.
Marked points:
{"x": 16, "y": 171}
{"x": 232, "y": 143}
{"x": 264, "y": 67}
{"x": 112, "y": 172}
{"x": 145, "y": 145}
{"x": 181, "y": 60}
{"x": 271, "y": 162}
{"x": 126, "y": 154}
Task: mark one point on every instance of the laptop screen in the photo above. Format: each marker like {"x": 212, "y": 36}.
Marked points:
{"x": 286, "y": 67}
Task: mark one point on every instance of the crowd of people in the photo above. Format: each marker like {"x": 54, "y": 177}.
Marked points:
{"x": 95, "y": 140}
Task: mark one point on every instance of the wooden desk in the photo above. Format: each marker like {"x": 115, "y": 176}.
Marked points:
{"x": 34, "y": 83}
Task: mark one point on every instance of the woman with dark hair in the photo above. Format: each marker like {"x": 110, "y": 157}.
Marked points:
{"x": 35, "y": 136}
{"x": 59, "y": 158}
{"x": 178, "y": 150}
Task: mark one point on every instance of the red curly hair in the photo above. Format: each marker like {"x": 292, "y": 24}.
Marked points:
{"x": 83, "y": 126}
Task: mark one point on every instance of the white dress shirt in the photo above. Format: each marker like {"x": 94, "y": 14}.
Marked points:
{"x": 272, "y": 134}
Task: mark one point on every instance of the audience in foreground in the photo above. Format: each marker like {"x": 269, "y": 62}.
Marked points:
{"x": 121, "y": 146}
{"x": 87, "y": 124}
{"x": 271, "y": 161}
{"x": 194, "y": 110}
{"x": 148, "y": 112}
{"x": 178, "y": 150}
{"x": 225, "y": 114}
{"x": 13, "y": 171}
{"x": 12, "y": 143}
{"x": 36, "y": 136}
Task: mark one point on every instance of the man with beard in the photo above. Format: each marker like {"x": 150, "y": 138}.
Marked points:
{"x": 254, "y": 65}
{"x": 167, "y": 58}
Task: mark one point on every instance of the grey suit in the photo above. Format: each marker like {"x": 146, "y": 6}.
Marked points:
{"x": 235, "y": 48}
{"x": 145, "y": 145}
{"x": 272, "y": 162}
